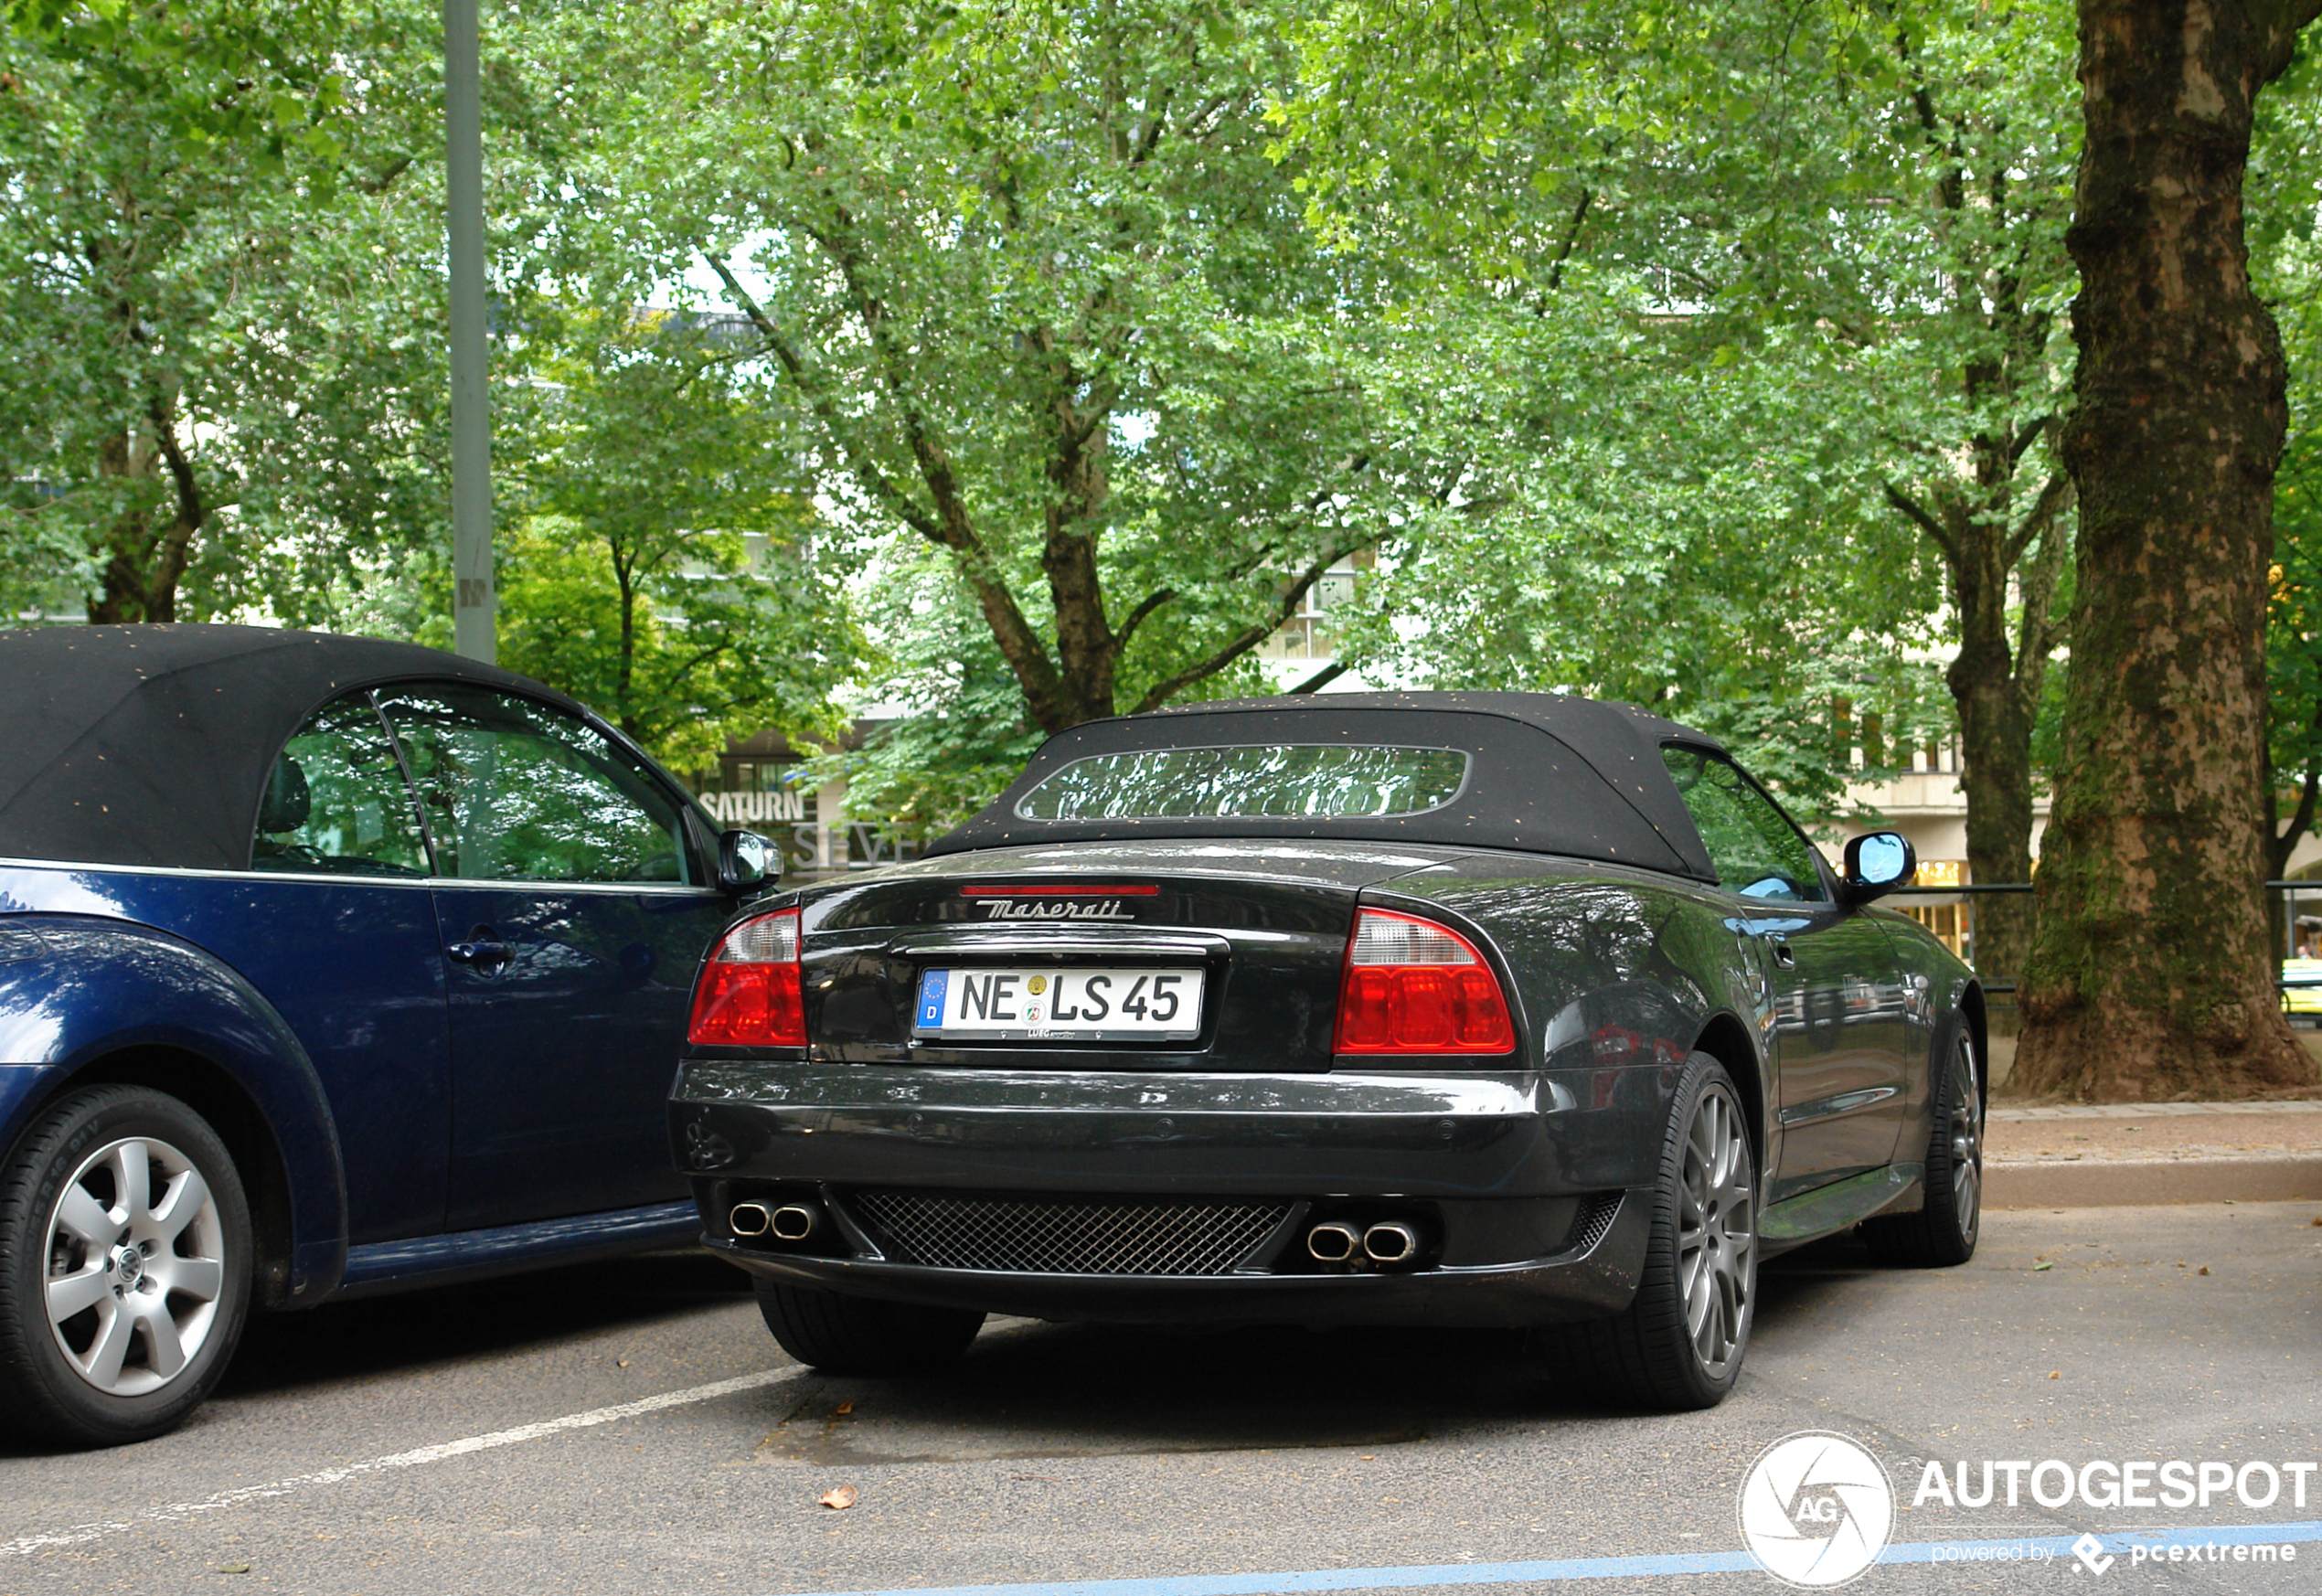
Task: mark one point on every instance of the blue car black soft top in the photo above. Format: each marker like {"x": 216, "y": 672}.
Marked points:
{"x": 151, "y": 744}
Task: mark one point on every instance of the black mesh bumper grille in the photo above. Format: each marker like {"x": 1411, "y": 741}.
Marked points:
{"x": 1070, "y": 1236}
{"x": 1595, "y": 1220}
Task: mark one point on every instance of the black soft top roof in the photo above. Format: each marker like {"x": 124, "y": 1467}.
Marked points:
{"x": 151, "y": 745}
{"x": 1550, "y": 774}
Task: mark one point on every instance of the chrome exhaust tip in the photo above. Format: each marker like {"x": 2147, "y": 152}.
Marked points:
{"x": 750, "y": 1219}
{"x": 793, "y": 1222}
{"x": 1332, "y": 1243}
{"x": 1391, "y": 1242}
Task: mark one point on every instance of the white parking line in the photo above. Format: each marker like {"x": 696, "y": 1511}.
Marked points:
{"x": 173, "y": 1511}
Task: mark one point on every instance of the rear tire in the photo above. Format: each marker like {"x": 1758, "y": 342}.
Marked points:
{"x": 1682, "y": 1343}
{"x": 125, "y": 1262}
{"x": 862, "y": 1335}
{"x": 1944, "y": 1231}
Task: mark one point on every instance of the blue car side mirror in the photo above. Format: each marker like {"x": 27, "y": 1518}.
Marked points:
{"x": 746, "y": 862}
{"x": 1877, "y": 865}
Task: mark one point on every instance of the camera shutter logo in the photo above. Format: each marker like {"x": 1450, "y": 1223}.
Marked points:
{"x": 1816, "y": 1510}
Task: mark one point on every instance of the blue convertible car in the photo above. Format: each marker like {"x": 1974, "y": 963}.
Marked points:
{"x": 327, "y": 966}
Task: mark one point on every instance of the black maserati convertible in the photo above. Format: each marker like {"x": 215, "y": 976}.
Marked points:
{"x": 1452, "y": 1009}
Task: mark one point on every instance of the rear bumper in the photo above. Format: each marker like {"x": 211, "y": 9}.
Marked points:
{"x": 1595, "y": 1277}
{"x": 1534, "y": 1187}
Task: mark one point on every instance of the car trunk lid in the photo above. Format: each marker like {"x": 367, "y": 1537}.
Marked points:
{"x": 1191, "y": 956}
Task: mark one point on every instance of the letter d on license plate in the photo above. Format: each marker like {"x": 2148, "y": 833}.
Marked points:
{"x": 1048, "y": 1005}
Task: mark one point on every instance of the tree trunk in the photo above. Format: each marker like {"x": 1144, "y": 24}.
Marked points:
{"x": 1995, "y": 680}
{"x": 2152, "y": 975}
{"x": 1994, "y": 734}
{"x": 142, "y": 566}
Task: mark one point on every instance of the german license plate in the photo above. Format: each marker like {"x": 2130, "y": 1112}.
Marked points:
{"x": 1094, "y": 1005}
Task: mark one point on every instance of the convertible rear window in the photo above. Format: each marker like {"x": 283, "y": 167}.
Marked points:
{"x": 1279, "y": 782}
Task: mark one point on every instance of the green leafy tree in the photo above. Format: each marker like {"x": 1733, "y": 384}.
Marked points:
{"x": 1854, "y": 211}
{"x": 662, "y": 573}
{"x": 218, "y": 329}
{"x": 1046, "y": 298}
{"x": 2286, "y": 257}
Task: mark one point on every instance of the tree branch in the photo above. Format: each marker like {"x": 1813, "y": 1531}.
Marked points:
{"x": 2026, "y": 438}
{"x": 1138, "y": 616}
{"x": 2054, "y": 495}
{"x": 865, "y": 470}
{"x": 1571, "y": 237}
{"x": 1927, "y": 523}
{"x": 1248, "y": 639}
{"x": 1321, "y": 678}
{"x": 176, "y": 544}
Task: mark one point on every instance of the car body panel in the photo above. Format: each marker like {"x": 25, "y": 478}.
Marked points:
{"x": 559, "y": 1056}
{"x": 108, "y": 987}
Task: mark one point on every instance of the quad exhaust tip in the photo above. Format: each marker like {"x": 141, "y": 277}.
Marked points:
{"x": 790, "y": 1222}
{"x": 750, "y": 1219}
{"x": 1390, "y": 1242}
{"x": 1333, "y": 1242}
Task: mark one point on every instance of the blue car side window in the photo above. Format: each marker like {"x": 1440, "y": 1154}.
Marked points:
{"x": 514, "y": 791}
{"x": 1755, "y": 850}
{"x": 336, "y": 804}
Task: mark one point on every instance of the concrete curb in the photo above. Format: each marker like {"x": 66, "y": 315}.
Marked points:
{"x": 2109, "y": 1182}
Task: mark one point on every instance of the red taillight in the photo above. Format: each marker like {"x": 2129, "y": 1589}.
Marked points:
{"x": 1413, "y": 986}
{"x": 750, "y": 994}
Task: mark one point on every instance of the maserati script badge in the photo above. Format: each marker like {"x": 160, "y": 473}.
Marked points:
{"x": 1109, "y": 909}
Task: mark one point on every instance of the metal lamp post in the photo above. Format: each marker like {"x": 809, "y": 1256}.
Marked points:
{"x": 475, "y": 609}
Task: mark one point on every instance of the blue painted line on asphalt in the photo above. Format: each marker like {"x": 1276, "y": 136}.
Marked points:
{"x": 1425, "y": 1576}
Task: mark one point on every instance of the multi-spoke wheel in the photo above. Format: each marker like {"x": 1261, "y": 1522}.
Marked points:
{"x": 1944, "y": 1231}
{"x": 1681, "y": 1342}
{"x": 124, "y": 1267}
{"x": 1717, "y": 1232}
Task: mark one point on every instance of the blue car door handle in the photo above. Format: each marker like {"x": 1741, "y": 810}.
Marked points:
{"x": 483, "y": 949}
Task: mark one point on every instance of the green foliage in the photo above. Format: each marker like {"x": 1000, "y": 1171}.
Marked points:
{"x": 223, "y": 350}
{"x": 1732, "y": 284}
{"x": 667, "y": 572}
{"x": 1046, "y": 298}
{"x": 260, "y": 77}
{"x": 2284, "y": 208}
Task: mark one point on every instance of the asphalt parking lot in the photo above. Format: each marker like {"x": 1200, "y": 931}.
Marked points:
{"x": 554, "y": 1434}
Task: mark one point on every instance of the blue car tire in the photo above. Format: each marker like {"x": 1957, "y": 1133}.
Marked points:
{"x": 125, "y": 1264}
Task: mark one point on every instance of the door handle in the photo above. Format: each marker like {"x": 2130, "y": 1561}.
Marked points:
{"x": 1782, "y": 954}
{"x": 486, "y": 952}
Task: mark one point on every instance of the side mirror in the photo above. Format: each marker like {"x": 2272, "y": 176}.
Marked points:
{"x": 1877, "y": 865}
{"x": 746, "y": 862}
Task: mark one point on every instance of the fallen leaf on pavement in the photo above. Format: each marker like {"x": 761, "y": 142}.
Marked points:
{"x": 840, "y": 1496}
{"x": 2055, "y": 1374}
{"x": 2203, "y": 1270}
{"x": 843, "y": 1408}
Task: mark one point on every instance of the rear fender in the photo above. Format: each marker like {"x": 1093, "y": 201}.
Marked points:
{"x": 109, "y": 1001}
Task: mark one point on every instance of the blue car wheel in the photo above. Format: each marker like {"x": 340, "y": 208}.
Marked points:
{"x": 125, "y": 1258}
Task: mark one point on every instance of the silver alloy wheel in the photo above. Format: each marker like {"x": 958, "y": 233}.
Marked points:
{"x": 1967, "y": 1142}
{"x": 1717, "y": 1232}
{"x": 136, "y": 1266}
